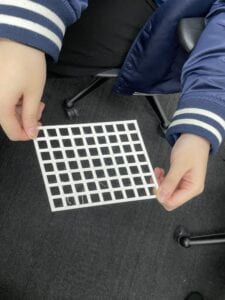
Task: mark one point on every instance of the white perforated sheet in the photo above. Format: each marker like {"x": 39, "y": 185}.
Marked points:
{"x": 94, "y": 164}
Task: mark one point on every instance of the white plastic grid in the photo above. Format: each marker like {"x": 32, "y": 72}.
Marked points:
{"x": 94, "y": 164}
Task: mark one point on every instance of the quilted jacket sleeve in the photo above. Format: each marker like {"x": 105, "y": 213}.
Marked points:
{"x": 201, "y": 109}
{"x": 41, "y": 23}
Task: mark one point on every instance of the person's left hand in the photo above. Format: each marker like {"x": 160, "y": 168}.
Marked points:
{"x": 186, "y": 176}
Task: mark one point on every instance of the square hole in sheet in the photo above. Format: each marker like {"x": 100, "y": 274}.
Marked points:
{"x": 107, "y": 196}
{"x": 134, "y": 170}
{"x": 64, "y": 177}
{"x": 54, "y": 143}
{"x": 41, "y": 133}
{"x": 58, "y": 202}
{"x": 108, "y": 161}
{"x": 78, "y": 142}
{"x": 52, "y": 132}
{"x": 82, "y": 199}
{"x": 82, "y": 152}
{"x": 124, "y": 138}
{"x": 145, "y": 169}
{"x": 79, "y": 187}
{"x": 101, "y": 140}
{"x": 123, "y": 171}
{"x": 130, "y": 193}
{"x": 85, "y": 164}
{"x": 61, "y": 166}
{"x": 130, "y": 159}
{"x": 67, "y": 189}
{"x": 118, "y": 195}
{"x": 88, "y": 174}
{"x": 120, "y": 127}
{"x": 104, "y": 150}
{"x": 127, "y": 148}
{"x": 103, "y": 184}
{"x": 131, "y": 126}
{"x": 57, "y": 154}
{"x": 76, "y": 176}
{"x": 119, "y": 160}
{"x": 92, "y": 186}
{"x": 116, "y": 149}
{"x": 93, "y": 151}
{"x": 113, "y": 139}
{"x": 126, "y": 181}
{"x": 138, "y": 147}
{"x": 100, "y": 173}
{"x": 87, "y": 130}
{"x": 98, "y": 129}
{"x": 141, "y": 192}
{"x": 52, "y": 179}
{"x": 109, "y": 128}
{"x": 42, "y": 144}
{"x": 45, "y": 156}
{"x": 115, "y": 183}
{"x": 95, "y": 198}
{"x": 70, "y": 201}
{"x": 141, "y": 157}
{"x": 55, "y": 190}
{"x": 75, "y": 131}
{"x": 96, "y": 162}
{"x": 64, "y": 131}
{"x": 134, "y": 137}
{"x": 138, "y": 180}
{"x": 90, "y": 141}
{"x": 70, "y": 154}
{"x": 73, "y": 165}
{"x": 48, "y": 167}
{"x": 67, "y": 143}
{"x": 111, "y": 172}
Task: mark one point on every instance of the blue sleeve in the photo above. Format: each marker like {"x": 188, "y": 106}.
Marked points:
{"x": 40, "y": 24}
{"x": 201, "y": 109}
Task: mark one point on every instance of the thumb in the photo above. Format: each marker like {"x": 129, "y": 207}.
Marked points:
{"x": 170, "y": 182}
{"x": 30, "y": 116}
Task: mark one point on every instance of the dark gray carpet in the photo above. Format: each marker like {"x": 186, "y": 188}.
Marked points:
{"x": 116, "y": 252}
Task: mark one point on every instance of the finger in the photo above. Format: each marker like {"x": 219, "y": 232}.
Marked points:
{"x": 179, "y": 197}
{"x": 41, "y": 109}
{"x": 11, "y": 125}
{"x": 159, "y": 174}
{"x": 170, "y": 182}
{"x": 30, "y": 110}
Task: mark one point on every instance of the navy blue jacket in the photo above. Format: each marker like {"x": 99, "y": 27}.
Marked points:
{"x": 155, "y": 63}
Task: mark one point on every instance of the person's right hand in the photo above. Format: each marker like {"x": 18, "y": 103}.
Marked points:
{"x": 22, "y": 81}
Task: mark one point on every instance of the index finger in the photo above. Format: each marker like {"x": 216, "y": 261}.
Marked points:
{"x": 11, "y": 125}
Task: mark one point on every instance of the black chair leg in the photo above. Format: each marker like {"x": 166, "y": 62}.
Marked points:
{"x": 183, "y": 237}
{"x": 69, "y": 104}
{"x": 157, "y": 108}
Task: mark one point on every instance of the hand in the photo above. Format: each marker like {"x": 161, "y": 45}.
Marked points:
{"x": 22, "y": 80}
{"x": 186, "y": 176}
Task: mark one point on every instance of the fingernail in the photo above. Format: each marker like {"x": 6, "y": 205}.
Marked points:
{"x": 32, "y": 132}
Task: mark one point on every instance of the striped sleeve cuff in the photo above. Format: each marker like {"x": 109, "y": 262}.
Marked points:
{"x": 39, "y": 24}
{"x": 196, "y": 119}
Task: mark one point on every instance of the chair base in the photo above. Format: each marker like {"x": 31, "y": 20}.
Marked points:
{"x": 72, "y": 112}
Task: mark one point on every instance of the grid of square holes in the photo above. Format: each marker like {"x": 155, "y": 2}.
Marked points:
{"x": 94, "y": 164}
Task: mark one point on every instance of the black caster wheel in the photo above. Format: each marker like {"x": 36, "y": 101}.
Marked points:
{"x": 182, "y": 236}
{"x": 71, "y": 112}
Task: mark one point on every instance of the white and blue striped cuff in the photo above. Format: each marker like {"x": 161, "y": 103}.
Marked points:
{"x": 202, "y": 122}
{"x": 35, "y": 24}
